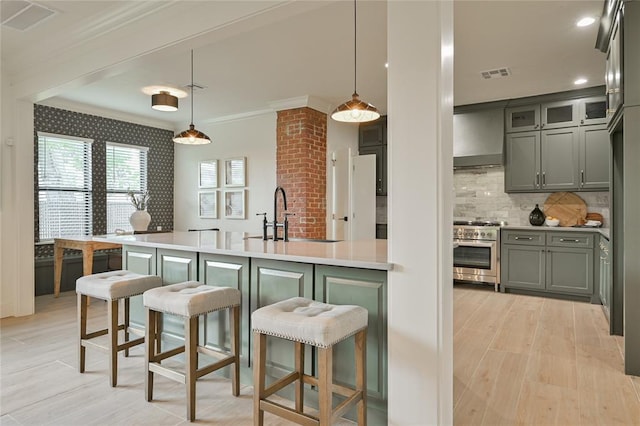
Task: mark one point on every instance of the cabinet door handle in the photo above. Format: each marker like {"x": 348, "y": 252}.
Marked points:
{"x": 544, "y": 179}
{"x": 537, "y": 179}
{"x": 581, "y": 178}
{"x": 536, "y": 126}
{"x": 523, "y": 238}
{"x": 566, "y": 240}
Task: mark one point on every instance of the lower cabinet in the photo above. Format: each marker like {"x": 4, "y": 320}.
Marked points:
{"x": 225, "y": 271}
{"x": 141, "y": 260}
{"x": 604, "y": 281}
{"x": 175, "y": 267}
{"x": 548, "y": 261}
{"x": 366, "y": 288}
{"x": 271, "y": 282}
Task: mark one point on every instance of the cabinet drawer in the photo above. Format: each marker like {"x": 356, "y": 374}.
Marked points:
{"x": 559, "y": 239}
{"x": 523, "y": 237}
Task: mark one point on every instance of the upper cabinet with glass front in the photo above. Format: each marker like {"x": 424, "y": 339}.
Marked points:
{"x": 556, "y": 115}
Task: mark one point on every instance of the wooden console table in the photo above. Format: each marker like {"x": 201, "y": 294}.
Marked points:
{"x": 84, "y": 243}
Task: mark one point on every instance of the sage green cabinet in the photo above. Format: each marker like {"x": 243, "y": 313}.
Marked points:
{"x": 141, "y": 260}
{"x": 559, "y": 158}
{"x": 271, "y": 282}
{"x": 604, "y": 276}
{"x": 522, "y": 162}
{"x": 366, "y": 288}
{"x": 176, "y": 266}
{"x": 549, "y": 115}
{"x": 595, "y": 157}
{"x": 566, "y": 159}
{"x": 548, "y": 261}
{"x": 226, "y": 271}
{"x": 557, "y": 146}
{"x": 372, "y": 139}
{"x": 523, "y": 263}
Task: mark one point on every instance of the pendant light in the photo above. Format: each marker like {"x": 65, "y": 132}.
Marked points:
{"x": 164, "y": 101}
{"x": 355, "y": 110}
{"x": 192, "y": 136}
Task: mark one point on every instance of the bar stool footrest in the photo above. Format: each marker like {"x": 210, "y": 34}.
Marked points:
{"x": 288, "y": 413}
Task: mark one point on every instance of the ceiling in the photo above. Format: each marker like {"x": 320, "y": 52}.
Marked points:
{"x": 306, "y": 49}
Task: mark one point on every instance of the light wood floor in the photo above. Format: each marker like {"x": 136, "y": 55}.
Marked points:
{"x": 517, "y": 360}
{"x": 40, "y": 384}
{"x": 530, "y": 360}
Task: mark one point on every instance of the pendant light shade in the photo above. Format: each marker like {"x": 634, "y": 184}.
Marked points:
{"x": 164, "y": 101}
{"x": 192, "y": 136}
{"x": 355, "y": 110}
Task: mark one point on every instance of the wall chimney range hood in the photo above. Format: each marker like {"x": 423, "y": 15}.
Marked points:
{"x": 478, "y": 135}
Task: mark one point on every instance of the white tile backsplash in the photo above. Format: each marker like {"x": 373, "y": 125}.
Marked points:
{"x": 479, "y": 194}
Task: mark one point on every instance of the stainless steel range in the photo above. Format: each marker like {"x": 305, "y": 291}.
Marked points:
{"x": 476, "y": 258}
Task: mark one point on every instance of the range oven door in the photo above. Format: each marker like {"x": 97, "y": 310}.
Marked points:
{"x": 476, "y": 261}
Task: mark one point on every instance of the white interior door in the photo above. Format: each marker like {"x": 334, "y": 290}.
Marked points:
{"x": 341, "y": 164}
{"x": 363, "y": 197}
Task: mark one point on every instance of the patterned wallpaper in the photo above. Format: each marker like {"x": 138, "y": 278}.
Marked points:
{"x": 103, "y": 130}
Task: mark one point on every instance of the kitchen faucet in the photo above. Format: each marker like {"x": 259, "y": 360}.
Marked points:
{"x": 275, "y": 224}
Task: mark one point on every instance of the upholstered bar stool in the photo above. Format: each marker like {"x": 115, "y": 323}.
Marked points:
{"x": 112, "y": 287}
{"x": 189, "y": 300}
{"x": 307, "y": 322}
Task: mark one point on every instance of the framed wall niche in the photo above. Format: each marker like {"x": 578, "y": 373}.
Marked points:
{"x": 208, "y": 204}
{"x": 234, "y": 204}
{"x": 208, "y": 174}
{"x": 235, "y": 171}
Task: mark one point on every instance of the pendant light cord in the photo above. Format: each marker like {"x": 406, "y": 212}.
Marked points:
{"x": 192, "y": 87}
{"x": 355, "y": 48}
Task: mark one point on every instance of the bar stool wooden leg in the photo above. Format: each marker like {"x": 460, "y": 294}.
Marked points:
{"x": 299, "y": 384}
{"x": 112, "y": 315}
{"x": 325, "y": 382}
{"x": 191, "y": 355}
{"x": 126, "y": 324}
{"x": 149, "y": 353}
{"x": 234, "y": 323}
{"x": 361, "y": 375}
{"x": 82, "y": 330}
{"x": 259, "y": 367}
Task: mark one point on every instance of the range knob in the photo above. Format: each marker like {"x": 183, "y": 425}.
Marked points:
{"x": 482, "y": 234}
{"x": 475, "y": 234}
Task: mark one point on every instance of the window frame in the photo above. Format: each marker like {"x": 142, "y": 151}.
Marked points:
{"x": 86, "y": 188}
{"x": 144, "y": 182}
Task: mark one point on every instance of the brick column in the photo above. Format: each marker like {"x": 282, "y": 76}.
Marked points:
{"x": 301, "y": 169}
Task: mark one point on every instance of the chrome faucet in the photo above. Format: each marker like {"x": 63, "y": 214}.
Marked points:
{"x": 275, "y": 224}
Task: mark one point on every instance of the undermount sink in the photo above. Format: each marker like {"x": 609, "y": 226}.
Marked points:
{"x": 306, "y": 240}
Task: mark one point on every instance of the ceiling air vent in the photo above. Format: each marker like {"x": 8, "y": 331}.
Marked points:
{"x": 22, "y": 15}
{"x": 497, "y": 73}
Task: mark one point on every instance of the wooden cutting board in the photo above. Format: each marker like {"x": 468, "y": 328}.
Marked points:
{"x": 567, "y": 207}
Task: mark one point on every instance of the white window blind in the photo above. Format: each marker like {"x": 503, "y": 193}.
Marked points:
{"x": 126, "y": 171}
{"x": 64, "y": 186}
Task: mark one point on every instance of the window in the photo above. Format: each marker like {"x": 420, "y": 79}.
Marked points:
{"x": 126, "y": 171}
{"x": 64, "y": 186}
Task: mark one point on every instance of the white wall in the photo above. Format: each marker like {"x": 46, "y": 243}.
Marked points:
{"x": 420, "y": 150}
{"x": 253, "y": 138}
{"x": 339, "y": 136}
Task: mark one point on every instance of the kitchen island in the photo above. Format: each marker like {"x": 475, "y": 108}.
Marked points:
{"x": 343, "y": 272}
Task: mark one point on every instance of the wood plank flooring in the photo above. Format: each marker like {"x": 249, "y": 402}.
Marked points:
{"x": 517, "y": 360}
{"x": 536, "y": 361}
{"x": 40, "y": 383}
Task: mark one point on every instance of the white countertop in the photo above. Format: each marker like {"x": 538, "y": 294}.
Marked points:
{"x": 366, "y": 254}
{"x": 602, "y": 231}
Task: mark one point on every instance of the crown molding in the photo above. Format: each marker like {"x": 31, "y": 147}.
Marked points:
{"x": 237, "y": 117}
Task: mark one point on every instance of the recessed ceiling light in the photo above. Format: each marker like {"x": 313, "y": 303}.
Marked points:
{"x": 386, "y": 64}
{"x": 580, "y": 81}
{"x": 585, "y": 22}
